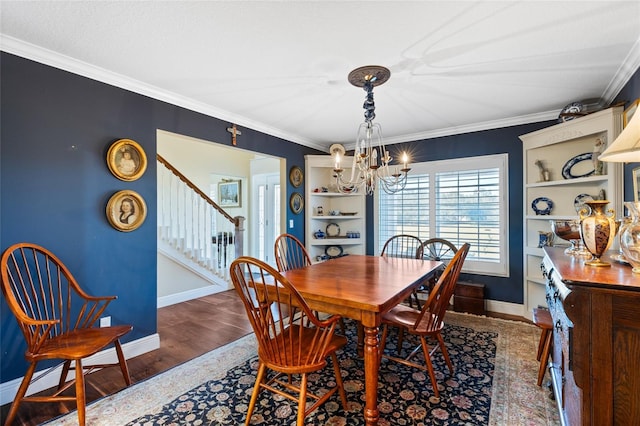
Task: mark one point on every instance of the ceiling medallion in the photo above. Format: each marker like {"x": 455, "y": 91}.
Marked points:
{"x": 377, "y": 74}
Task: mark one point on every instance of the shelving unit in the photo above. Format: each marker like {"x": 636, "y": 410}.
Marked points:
{"x": 319, "y": 174}
{"x": 554, "y": 147}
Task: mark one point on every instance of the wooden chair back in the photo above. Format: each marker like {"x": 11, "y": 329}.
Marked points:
{"x": 271, "y": 301}
{"x": 433, "y": 312}
{"x": 44, "y": 297}
{"x": 290, "y": 253}
{"x": 437, "y": 249}
{"x": 57, "y": 318}
{"x": 403, "y": 245}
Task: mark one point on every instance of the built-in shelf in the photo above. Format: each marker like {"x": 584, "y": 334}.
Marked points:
{"x": 319, "y": 174}
{"x": 554, "y": 147}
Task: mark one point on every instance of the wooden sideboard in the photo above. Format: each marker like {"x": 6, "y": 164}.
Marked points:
{"x": 595, "y": 363}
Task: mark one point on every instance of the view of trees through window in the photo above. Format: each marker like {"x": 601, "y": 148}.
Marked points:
{"x": 457, "y": 200}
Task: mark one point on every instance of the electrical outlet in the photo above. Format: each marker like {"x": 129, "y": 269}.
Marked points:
{"x": 291, "y": 223}
{"x": 105, "y": 322}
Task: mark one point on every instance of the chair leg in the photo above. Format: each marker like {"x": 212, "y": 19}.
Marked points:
{"x": 383, "y": 343}
{"x": 545, "y": 356}
{"x": 123, "y": 363}
{"x": 24, "y": 385}
{"x": 63, "y": 375}
{"x": 400, "y": 339}
{"x": 543, "y": 338}
{"x": 302, "y": 400}
{"x": 256, "y": 390}
{"x": 343, "y": 394}
{"x": 445, "y": 353}
{"x": 415, "y": 296}
{"x": 427, "y": 360}
{"x": 343, "y": 327}
{"x": 81, "y": 399}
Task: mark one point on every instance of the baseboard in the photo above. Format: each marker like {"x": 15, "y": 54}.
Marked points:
{"x": 132, "y": 349}
{"x": 172, "y": 299}
{"x": 505, "y": 308}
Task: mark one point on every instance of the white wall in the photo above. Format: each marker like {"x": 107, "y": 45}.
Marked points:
{"x": 199, "y": 160}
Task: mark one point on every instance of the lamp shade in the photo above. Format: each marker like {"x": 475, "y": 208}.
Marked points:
{"x": 626, "y": 147}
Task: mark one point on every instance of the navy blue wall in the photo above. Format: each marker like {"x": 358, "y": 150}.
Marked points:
{"x": 497, "y": 141}
{"x": 55, "y": 184}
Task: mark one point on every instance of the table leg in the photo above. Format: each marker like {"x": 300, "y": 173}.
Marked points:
{"x": 360, "y": 345}
{"x": 371, "y": 346}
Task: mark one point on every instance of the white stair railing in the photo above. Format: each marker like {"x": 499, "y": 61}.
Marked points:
{"x": 194, "y": 226}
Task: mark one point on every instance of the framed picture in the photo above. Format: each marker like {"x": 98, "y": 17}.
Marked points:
{"x": 628, "y": 113}
{"x": 296, "y": 176}
{"x": 229, "y": 194}
{"x": 296, "y": 202}
{"x": 126, "y": 210}
{"x": 636, "y": 184}
{"x": 126, "y": 160}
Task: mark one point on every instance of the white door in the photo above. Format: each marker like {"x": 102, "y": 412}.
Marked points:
{"x": 266, "y": 217}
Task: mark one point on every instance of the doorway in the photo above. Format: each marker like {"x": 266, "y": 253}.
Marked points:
{"x": 266, "y": 220}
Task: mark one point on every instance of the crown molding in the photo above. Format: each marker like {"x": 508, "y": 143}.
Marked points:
{"x": 470, "y": 128}
{"x": 48, "y": 57}
{"x": 38, "y": 54}
{"x": 626, "y": 70}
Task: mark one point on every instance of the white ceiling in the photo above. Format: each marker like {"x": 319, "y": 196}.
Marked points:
{"x": 281, "y": 67}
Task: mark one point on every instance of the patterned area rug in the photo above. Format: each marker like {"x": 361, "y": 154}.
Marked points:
{"x": 493, "y": 384}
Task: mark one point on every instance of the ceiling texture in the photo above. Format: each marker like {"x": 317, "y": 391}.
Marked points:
{"x": 280, "y": 67}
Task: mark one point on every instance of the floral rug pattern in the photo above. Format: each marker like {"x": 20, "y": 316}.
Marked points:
{"x": 493, "y": 384}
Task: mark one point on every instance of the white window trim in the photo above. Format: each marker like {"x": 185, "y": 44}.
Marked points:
{"x": 501, "y": 161}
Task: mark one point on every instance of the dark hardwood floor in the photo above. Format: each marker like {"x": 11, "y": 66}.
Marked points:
{"x": 187, "y": 330}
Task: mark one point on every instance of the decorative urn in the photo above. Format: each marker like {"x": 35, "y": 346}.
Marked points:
{"x": 598, "y": 229}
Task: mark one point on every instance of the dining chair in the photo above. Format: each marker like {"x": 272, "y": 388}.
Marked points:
{"x": 290, "y": 253}
{"x": 57, "y": 318}
{"x": 405, "y": 246}
{"x": 437, "y": 249}
{"x": 286, "y": 344}
{"x": 428, "y": 321}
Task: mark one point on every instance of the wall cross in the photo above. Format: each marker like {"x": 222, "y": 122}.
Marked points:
{"x": 234, "y": 133}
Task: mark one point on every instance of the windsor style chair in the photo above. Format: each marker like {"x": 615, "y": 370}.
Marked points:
{"x": 426, "y": 322}
{"x": 291, "y": 339}
{"x": 57, "y": 318}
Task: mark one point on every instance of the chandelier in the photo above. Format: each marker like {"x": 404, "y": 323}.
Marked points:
{"x": 371, "y": 160}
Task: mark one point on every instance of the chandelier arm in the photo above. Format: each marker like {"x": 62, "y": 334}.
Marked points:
{"x": 371, "y": 161}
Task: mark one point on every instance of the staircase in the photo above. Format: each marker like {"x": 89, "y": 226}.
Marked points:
{"x": 193, "y": 230}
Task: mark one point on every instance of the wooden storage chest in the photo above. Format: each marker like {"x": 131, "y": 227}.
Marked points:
{"x": 469, "y": 297}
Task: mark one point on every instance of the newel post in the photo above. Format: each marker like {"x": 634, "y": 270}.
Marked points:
{"x": 239, "y": 235}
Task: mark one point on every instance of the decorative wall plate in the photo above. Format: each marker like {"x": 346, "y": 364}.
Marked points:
{"x": 296, "y": 176}
{"x": 333, "y": 251}
{"x": 542, "y": 206}
{"x": 566, "y": 169}
{"x": 578, "y": 202}
{"x": 296, "y": 202}
{"x": 333, "y": 230}
{"x": 571, "y": 111}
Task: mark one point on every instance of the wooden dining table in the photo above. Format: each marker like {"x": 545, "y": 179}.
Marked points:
{"x": 362, "y": 288}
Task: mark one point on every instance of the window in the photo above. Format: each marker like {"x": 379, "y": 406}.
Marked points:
{"x": 461, "y": 200}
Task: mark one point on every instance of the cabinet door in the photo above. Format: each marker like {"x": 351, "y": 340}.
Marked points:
{"x": 626, "y": 362}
